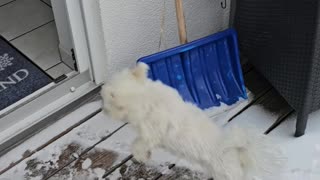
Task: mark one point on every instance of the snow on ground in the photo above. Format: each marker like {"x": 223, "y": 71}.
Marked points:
{"x": 121, "y": 143}
{"x": 304, "y": 152}
{"x": 183, "y": 170}
{"x": 62, "y": 151}
{"x": 44, "y": 136}
{"x": 86, "y": 163}
{"x": 223, "y": 113}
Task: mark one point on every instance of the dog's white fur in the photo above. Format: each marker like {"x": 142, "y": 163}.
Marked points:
{"x": 163, "y": 120}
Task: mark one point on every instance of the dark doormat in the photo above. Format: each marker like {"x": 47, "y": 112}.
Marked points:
{"x": 19, "y": 76}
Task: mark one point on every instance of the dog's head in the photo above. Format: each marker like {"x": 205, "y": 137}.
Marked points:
{"x": 123, "y": 91}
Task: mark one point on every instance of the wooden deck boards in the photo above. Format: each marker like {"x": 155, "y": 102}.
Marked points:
{"x": 100, "y": 147}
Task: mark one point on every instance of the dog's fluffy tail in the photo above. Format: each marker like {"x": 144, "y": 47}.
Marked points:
{"x": 258, "y": 154}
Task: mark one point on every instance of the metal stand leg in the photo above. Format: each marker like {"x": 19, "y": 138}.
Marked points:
{"x": 301, "y": 125}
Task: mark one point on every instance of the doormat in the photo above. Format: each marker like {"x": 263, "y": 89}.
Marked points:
{"x": 19, "y": 76}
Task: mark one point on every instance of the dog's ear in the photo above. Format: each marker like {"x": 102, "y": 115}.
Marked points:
{"x": 140, "y": 71}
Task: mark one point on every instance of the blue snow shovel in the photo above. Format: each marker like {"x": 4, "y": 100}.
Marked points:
{"x": 206, "y": 72}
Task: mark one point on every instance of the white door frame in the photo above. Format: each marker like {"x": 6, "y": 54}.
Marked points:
{"x": 95, "y": 38}
{"x": 78, "y": 34}
{"x": 77, "y": 39}
{"x": 39, "y": 108}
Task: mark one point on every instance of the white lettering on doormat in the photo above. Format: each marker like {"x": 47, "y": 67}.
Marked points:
{"x": 5, "y": 61}
{"x": 14, "y": 78}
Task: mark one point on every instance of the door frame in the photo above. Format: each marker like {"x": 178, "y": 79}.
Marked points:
{"x": 95, "y": 39}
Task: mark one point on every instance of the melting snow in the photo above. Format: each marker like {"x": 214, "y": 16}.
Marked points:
{"x": 86, "y": 164}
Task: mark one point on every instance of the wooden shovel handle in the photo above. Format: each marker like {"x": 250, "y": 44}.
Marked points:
{"x": 181, "y": 22}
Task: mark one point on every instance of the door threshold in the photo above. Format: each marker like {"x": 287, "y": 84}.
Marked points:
{"x": 34, "y": 95}
{"x": 38, "y": 114}
{"x": 16, "y": 135}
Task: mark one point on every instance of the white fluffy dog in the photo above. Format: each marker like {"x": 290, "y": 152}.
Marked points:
{"x": 163, "y": 120}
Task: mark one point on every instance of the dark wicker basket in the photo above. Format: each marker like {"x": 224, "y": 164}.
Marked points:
{"x": 281, "y": 38}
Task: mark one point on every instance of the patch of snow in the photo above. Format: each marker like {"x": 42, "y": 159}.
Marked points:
{"x": 300, "y": 174}
{"x": 75, "y": 155}
{"x": 86, "y": 163}
{"x": 218, "y": 110}
{"x": 303, "y": 152}
{"x": 85, "y": 135}
{"x": 87, "y": 175}
{"x": 115, "y": 174}
{"x": 48, "y": 133}
{"x": 167, "y": 171}
{"x": 220, "y": 115}
{"x": 120, "y": 142}
{"x": 99, "y": 172}
{"x": 223, "y": 108}
{"x": 256, "y": 118}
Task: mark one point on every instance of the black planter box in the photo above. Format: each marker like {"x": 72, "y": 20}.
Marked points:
{"x": 281, "y": 38}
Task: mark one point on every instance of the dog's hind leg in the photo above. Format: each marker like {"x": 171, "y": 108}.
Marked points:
{"x": 226, "y": 167}
{"x": 142, "y": 149}
{"x": 233, "y": 166}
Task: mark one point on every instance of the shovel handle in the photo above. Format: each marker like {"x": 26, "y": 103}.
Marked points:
{"x": 181, "y": 22}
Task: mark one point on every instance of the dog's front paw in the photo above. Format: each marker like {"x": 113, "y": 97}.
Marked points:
{"x": 142, "y": 156}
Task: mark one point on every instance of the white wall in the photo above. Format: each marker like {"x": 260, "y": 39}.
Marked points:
{"x": 132, "y": 27}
